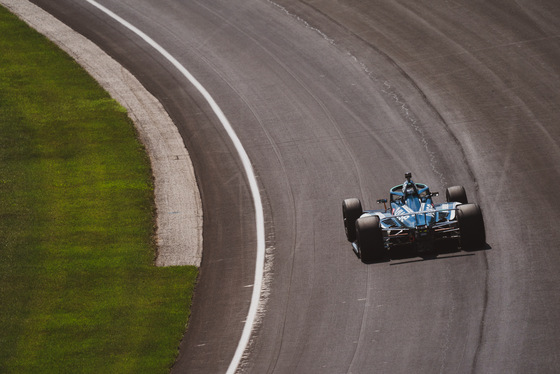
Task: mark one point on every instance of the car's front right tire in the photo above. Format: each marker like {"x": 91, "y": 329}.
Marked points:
{"x": 456, "y": 194}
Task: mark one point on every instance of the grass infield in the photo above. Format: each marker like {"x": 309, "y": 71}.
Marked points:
{"x": 78, "y": 289}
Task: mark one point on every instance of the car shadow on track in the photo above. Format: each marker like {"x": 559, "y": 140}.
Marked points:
{"x": 441, "y": 251}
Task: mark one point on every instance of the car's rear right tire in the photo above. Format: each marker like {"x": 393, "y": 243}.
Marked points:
{"x": 351, "y": 211}
{"x": 369, "y": 239}
{"x": 456, "y": 194}
{"x": 471, "y": 225}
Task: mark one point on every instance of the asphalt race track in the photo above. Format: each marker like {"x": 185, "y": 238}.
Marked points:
{"x": 336, "y": 99}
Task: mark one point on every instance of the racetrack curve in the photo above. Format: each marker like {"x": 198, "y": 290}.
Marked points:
{"x": 339, "y": 99}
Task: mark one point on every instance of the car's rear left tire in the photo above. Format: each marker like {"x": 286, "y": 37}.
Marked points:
{"x": 351, "y": 211}
{"x": 471, "y": 225}
{"x": 369, "y": 239}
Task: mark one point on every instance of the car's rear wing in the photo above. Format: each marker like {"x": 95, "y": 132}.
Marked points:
{"x": 425, "y": 212}
{"x": 422, "y": 213}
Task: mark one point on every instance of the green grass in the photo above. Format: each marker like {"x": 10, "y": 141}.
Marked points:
{"x": 78, "y": 289}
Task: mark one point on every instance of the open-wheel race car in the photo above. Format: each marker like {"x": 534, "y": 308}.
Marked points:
{"x": 412, "y": 219}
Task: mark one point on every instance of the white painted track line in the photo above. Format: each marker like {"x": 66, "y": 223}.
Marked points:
{"x": 257, "y": 201}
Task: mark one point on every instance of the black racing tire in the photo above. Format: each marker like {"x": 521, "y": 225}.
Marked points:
{"x": 351, "y": 211}
{"x": 456, "y": 194}
{"x": 369, "y": 239}
{"x": 471, "y": 225}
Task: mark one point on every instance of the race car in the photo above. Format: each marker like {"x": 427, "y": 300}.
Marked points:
{"x": 412, "y": 219}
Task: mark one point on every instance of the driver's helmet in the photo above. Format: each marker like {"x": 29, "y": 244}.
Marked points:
{"x": 409, "y": 189}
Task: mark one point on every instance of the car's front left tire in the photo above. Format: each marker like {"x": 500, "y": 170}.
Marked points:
{"x": 351, "y": 211}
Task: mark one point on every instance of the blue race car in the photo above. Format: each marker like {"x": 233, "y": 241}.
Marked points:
{"x": 412, "y": 219}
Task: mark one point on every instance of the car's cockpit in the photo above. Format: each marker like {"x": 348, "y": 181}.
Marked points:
{"x": 410, "y": 193}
